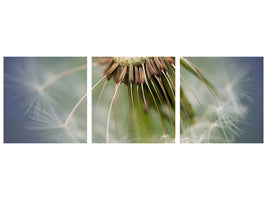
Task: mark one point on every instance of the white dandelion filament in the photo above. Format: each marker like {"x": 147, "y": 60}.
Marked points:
{"x": 169, "y": 84}
{"x": 203, "y": 81}
{"x": 162, "y": 103}
{"x": 109, "y": 112}
{"x": 197, "y": 99}
{"x": 139, "y": 104}
{"x": 170, "y": 80}
{"x": 154, "y": 101}
{"x": 119, "y": 78}
{"x": 98, "y": 101}
{"x": 144, "y": 98}
{"x": 129, "y": 111}
{"x": 131, "y": 90}
{"x": 99, "y": 81}
{"x": 74, "y": 109}
{"x": 60, "y": 75}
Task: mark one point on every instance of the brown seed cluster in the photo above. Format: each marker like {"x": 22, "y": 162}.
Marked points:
{"x": 149, "y": 82}
{"x": 153, "y": 66}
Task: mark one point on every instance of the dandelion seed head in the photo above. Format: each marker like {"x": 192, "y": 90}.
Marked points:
{"x": 126, "y": 61}
{"x": 147, "y": 94}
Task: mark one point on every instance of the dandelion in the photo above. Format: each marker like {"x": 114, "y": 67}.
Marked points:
{"x": 212, "y": 102}
{"x": 52, "y": 94}
{"x": 145, "y": 92}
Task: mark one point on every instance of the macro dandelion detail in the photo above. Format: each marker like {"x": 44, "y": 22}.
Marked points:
{"x": 138, "y": 106}
{"x": 45, "y": 99}
{"x": 221, "y": 100}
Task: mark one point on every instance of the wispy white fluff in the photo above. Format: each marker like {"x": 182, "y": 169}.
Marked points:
{"x": 230, "y": 83}
{"x": 49, "y": 99}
